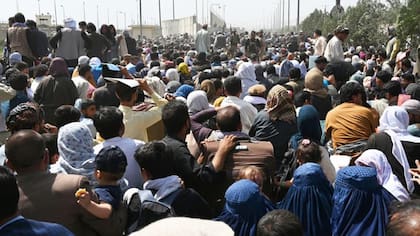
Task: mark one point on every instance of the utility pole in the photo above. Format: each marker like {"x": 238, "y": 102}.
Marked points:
{"x": 288, "y": 15}
{"x": 55, "y": 13}
{"x": 173, "y": 9}
{"x": 141, "y": 20}
{"x": 160, "y": 19}
{"x": 282, "y": 23}
{"x": 196, "y": 10}
{"x": 97, "y": 16}
{"x": 84, "y": 10}
{"x": 39, "y": 8}
{"x": 298, "y": 15}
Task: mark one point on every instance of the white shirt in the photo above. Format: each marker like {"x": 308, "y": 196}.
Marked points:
{"x": 248, "y": 111}
{"x": 129, "y": 147}
{"x": 202, "y": 41}
{"x": 320, "y": 44}
{"x": 82, "y": 86}
{"x": 334, "y": 50}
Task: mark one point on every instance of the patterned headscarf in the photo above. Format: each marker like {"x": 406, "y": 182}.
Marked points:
{"x": 75, "y": 146}
{"x": 280, "y": 106}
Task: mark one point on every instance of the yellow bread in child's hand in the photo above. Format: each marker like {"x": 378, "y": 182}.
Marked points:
{"x": 80, "y": 192}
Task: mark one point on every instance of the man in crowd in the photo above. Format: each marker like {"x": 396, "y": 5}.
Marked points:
{"x": 350, "y": 122}
{"x": 320, "y": 42}
{"x": 99, "y": 43}
{"x": 18, "y": 36}
{"x": 45, "y": 196}
{"x": 38, "y": 41}
{"x": 334, "y": 50}
{"x": 69, "y": 43}
{"x": 233, "y": 90}
{"x": 202, "y": 40}
{"x": 11, "y": 222}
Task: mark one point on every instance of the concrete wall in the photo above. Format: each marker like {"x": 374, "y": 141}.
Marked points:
{"x": 150, "y": 31}
{"x": 180, "y": 26}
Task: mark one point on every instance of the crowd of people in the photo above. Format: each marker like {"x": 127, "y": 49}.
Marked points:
{"x": 222, "y": 134}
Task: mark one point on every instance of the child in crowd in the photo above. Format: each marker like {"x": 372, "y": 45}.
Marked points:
{"x": 88, "y": 109}
{"x": 308, "y": 151}
{"x": 110, "y": 167}
{"x": 19, "y": 82}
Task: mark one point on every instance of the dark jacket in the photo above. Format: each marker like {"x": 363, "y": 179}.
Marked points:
{"x": 38, "y": 43}
{"x": 131, "y": 45}
{"x": 99, "y": 46}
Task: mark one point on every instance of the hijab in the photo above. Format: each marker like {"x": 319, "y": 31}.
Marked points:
{"x": 172, "y": 75}
{"x": 394, "y": 122}
{"x": 377, "y": 159}
{"x": 58, "y": 67}
{"x": 246, "y": 72}
{"x": 183, "y": 68}
{"x": 75, "y": 147}
{"x": 314, "y": 83}
{"x": 308, "y": 126}
{"x": 184, "y": 91}
{"x": 310, "y": 199}
{"x": 360, "y": 204}
{"x": 280, "y": 106}
{"x": 244, "y": 207}
{"x": 197, "y": 101}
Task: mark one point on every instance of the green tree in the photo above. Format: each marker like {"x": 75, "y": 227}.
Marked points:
{"x": 319, "y": 19}
{"x": 409, "y": 23}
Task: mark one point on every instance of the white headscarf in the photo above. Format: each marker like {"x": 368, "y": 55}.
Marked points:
{"x": 172, "y": 75}
{"x": 70, "y": 23}
{"x": 394, "y": 121}
{"x": 386, "y": 178}
{"x": 246, "y": 72}
{"x": 197, "y": 101}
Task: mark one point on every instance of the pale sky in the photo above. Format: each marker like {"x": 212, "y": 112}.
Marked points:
{"x": 251, "y": 14}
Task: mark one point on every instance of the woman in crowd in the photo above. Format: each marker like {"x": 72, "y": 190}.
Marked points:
{"x": 244, "y": 207}
{"x": 55, "y": 90}
{"x": 197, "y": 101}
{"x": 246, "y": 72}
{"x": 399, "y": 147}
{"x": 277, "y": 122}
{"x": 320, "y": 98}
{"x": 360, "y": 204}
{"x": 75, "y": 147}
{"x": 309, "y": 199}
{"x": 377, "y": 159}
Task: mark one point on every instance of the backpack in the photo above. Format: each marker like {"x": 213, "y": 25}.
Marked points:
{"x": 143, "y": 209}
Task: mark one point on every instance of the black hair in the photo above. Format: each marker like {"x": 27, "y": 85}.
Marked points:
{"x": 179, "y": 60}
{"x": 25, "y": 149}
{"x": 382, "y": 53}
{"x": 24, "y": 116}
{"x": 279, "y": 223}
{"x": 86, "y": 103}
{"x": 82, "y": 23}
{"x": 91, "y": 27}
{"x": 174, "y": 116}
{"x": 384, "y": 75}
{"x": 151, "y": 156}
{"x": 393, "y": 88}
{"x": 18, "y": 81}
{"x": 19, "y": 18}
{"x": 218, "y": 84}
{"x": 108, "y": 122}
{"x": 321, "y": 60}
{"x": 9, "y": 197}
{"x": 404, "y": 218}
{"x": 124, "y": 92}
{"x": 21, "y": 66}
{"x": 409, "y": 77}
{"x": 84, "y": 69}
{"x": 406, "y": 62}
{"x": 228, "y": 118}
{"x": 233, "y": 85}
{"x": 50, "y": 141}
{"x": 31, "y": 24}
{"x": 301, "y": 97}
{"x": 154, "y": 56}
{"x": 318, "y": 32}
{"x": 271, "y": 70}
{"x": 66, "y": 114}
{"x": 41, "y": 70}
{"x": 294, "y": 74}
{"x": 308, "y": 152}
{"x": 348, "y": 90}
